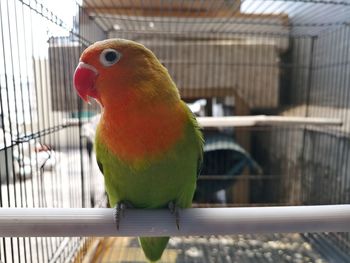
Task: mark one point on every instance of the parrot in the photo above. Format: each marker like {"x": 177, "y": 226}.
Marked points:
{"x": 148, "y": 144}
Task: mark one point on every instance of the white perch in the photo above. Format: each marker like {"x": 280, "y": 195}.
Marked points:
{"x": 68, "y": 222}
{"x": 246, "y": 121}
{"x": 260, "y": 120}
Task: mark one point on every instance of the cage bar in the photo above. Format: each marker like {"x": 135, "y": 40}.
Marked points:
{"x": 280, "y": 67}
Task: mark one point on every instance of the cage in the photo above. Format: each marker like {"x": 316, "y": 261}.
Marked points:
{"x": 286, "y": 58}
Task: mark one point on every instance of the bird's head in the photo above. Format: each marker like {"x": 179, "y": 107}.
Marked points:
{"x": 118, "y": 69}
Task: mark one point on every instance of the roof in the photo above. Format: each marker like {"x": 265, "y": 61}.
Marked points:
{"x": 220, "y": 16}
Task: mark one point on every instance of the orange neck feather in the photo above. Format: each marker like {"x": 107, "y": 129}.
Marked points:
{"x": 136, "y": 130}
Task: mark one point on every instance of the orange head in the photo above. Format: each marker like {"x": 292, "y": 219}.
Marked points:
{"x": 118, "y": 70}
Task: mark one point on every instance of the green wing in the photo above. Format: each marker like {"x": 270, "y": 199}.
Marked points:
{"x": 200, "y": 139}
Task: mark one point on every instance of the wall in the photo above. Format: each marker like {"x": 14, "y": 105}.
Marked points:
{"x": 312, "y": 163}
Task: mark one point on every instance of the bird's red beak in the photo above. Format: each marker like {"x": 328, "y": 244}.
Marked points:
{"x": 85, "y": 77}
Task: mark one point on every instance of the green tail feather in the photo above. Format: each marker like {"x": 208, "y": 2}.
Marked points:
{"x": 153, "y": 247}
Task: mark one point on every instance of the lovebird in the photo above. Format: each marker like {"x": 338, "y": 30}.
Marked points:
{"x": 148, "y": 144}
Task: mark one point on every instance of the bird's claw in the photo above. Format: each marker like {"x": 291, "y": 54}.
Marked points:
{"x": 119, "y": 211}
{"x": 174, "y": 209}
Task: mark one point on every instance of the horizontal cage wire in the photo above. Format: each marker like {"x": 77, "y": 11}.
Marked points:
{"x": 267, "y": 79}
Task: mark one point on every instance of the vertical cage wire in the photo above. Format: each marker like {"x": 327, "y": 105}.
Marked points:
{"x": 45, "y": 156}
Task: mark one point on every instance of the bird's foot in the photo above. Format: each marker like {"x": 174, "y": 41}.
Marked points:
{"x": 119, "y": 211}
{"x": 174, "y": 209}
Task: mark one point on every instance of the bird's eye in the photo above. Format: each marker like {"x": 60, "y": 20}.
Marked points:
{"x": 109, "y": 57}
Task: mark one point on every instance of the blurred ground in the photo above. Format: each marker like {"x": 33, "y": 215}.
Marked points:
{"x": 240, "y": 249}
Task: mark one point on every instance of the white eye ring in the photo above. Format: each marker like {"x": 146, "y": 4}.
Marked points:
{"x": 109, "y": 57}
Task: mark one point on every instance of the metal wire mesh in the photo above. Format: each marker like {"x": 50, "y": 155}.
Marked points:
{"x": 281, "y": 57}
